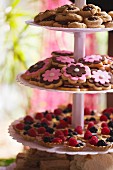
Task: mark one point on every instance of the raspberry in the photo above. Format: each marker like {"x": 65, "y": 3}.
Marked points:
{"x": 87, "y": 135}
{"x": 104, "y": 124}
{"x": 19, "y": 126}
{"x": 32, "y": 132}
{"x": 108, "y": 110}
{"x": 65, "y": 132}
{"x": 72, "y": 142}
{"x": 78, "y": 129}
{"x": 90, "y": 124}
{"x": 103, "y": 118}
{"x": 68, "y": 119}
{"x": 69, "y": 106}
{"x": 59, "y": 133}
{"x": 39, "y": 116}
{"x": 105, "y": 131}
{"x": 57, "y": 111}
{"x": 62, "y": 137}
{"x": 93, "y": 140}
{"x": 44, "y": 120}
{"x": 63, "y": 124}
{"x": 87, "y": 111}
{"x": 49, "y": 116}
{"x": 41, "y": 130}
{"x": 28, "y": 119}
{"x": 57, "y": 140}
{"x": 46, "y": 134}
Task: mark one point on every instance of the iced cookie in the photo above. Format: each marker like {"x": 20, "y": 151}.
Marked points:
{"x": 111, "y": 68}
{"x": 61, "y": 61}
{"x": 62, "y": 53}
{"x": 67, "y": 9}
{"x": 94, "y": 61}
{"x": 100, "y": 80}
{"x": 69, "y": 87}
{"x": 76, "y": 73}
{"x": 104, "y": 16}
{"x": 51, "y": 78}
{"x": 63, "y": 24}
{"x": 93, "y": 21}
{"x": 48, "y": 15}
{"x": 36, "y": 69}
{"x": 68, "y": 17}
{"x": 111, "y": 13}
{"x": 77, "y": 25}
{"x": 89, "y": 10}
{"x": 109, "y": 24}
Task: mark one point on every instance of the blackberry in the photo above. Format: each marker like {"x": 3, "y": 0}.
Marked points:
{"x": 50, "y": 130}
{"x": 47, "y": 139}
{"x": 79, "y": 145}
{"x": 107, "y": 115}
{"x": 93, "y": 129}
{"x": 44, "y": 125}
{"x": 92, "y": 119}
{"x": 110, "y": 139}
{"x": 92, "y": 112}
{"x": 110, "y": 124}
{"x": 37, "y": 125}
{"x": 111, "y": 132}
{"x": 101, "y": 143}
{"x": 67, "y": 110}
{"x": 57, "y": 118}
{"x": 27, "y": 127}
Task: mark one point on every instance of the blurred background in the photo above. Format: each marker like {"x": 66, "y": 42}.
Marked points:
{"x": 20, "y": 47}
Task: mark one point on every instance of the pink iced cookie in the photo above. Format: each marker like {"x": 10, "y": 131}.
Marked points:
{"x": 76, "y": 73}
{"x": 61, "y": 61}
{"x": 94, "y": 60}
{"x": 36, "y": 69}
{"x": 51, "y": 78}
{"x": 62, "y": 53}
{"x": 100, "y": 80}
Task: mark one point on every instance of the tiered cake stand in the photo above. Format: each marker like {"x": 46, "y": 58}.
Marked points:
{"x": 78, "y": 97}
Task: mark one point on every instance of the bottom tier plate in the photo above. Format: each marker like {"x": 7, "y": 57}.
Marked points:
{"x": 58, "y": 149}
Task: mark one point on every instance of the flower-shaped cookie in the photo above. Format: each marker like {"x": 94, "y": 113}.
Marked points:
{"x": 100, "y": 80}
{"x": 62, "y": 53}
{"x": 93, "y": 60}
{"x": 62, "y": 60}
{"x": 76, "y": 73}
{"x": 36, "y": 69}
{"x": 51, "y": 78}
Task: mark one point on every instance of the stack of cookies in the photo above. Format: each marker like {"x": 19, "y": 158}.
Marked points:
{"x": 62, "y": 72}
{"x": 70, "y": 16}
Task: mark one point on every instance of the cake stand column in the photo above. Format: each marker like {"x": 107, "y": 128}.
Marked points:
{"x": 78, "y": 99}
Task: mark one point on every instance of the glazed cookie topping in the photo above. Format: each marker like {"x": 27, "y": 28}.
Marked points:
{"x": 92, "y": 58}
{"x": 51, "y": 75}
{"x": 101, "y": 76}
{"x": 37, "y": 68}
{"x": 62, "y": 60}
{"x": 77, "y": 72}
{"x": 62, "y": 53}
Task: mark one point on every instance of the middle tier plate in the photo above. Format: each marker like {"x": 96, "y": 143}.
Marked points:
{"x": 71, "y": 30}
{"x": 26, "y": 83}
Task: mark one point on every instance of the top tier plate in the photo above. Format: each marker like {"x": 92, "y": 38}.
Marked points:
{"x": 71, "y": 30}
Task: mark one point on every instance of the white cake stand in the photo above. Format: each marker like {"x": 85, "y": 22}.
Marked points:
{"x": 78, "y": 97}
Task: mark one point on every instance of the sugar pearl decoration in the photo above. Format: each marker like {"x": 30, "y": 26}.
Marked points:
{"x": 76, "y": 70}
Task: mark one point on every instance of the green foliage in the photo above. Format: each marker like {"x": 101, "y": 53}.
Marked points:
{"x": 6, "y": 162}
{"x": 15, "y": 43}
